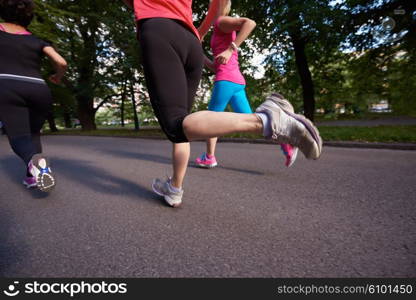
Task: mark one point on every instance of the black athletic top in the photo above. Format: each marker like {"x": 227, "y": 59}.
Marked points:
{"x": 21, "y": 54}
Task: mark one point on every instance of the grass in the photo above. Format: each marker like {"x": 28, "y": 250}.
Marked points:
{"x": 363, "y": 116}
{"x": 385, "y": 134}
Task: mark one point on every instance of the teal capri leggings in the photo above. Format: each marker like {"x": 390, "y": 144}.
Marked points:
{"x": 225, "y": 92}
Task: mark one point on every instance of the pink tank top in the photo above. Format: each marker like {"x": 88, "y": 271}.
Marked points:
{"x": 220, "y": 41}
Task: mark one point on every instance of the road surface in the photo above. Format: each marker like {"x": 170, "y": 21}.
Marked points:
{"x": 350, "y": 214}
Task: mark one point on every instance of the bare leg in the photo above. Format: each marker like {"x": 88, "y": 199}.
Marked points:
{"x": 211, "y": 143}
{"x": 208, "y": 124}
{"x": 180, "y": 157}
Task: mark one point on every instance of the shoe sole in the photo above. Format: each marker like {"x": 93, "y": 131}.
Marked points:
{"x": 45, "y": 181}
{"x": 29, "y": 186}
{"x": 313, "y": 131}
{"x": 294, "y": 156}
{"x": 165, "y": 197}
{"x": 207, "y": 166}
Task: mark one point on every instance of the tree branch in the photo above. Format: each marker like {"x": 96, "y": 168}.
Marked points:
{"x": 105, "y": 100}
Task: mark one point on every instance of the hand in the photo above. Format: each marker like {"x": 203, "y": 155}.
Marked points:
{"x": 55, "y": 79}
{"x": 210, "y": 67}
{"x": 209, "y": 64}
{"x": 224, "y": 57}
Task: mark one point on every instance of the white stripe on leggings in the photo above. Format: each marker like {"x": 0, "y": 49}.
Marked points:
{"x": 11, "y": 76}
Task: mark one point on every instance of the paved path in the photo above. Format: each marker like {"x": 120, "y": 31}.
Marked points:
{"x": 350, "y": 214}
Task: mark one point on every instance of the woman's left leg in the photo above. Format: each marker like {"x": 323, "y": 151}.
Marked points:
{"x": 172, "y": 61}
{"x": 239, "y": 102}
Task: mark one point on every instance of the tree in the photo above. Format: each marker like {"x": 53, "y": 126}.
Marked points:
{"x": 81, "y": 32}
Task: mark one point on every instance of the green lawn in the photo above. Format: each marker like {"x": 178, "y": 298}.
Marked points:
{"x": 386, "y": 134}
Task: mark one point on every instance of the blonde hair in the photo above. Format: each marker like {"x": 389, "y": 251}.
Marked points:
{"x": 225, "y": 8}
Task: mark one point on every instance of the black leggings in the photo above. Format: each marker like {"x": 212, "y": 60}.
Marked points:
{"x": 24, "y": 107}
{"x": 172, "y": 62}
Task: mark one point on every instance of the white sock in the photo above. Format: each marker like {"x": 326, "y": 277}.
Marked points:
{"x": 174, "y": 189}
{"x": 267, "y": 127}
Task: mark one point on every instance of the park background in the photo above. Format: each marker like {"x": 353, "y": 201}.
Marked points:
{"x": 350, "y": 214}
{"x": 333, "y": 60}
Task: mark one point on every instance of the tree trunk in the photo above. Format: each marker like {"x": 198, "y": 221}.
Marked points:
{"x": 87, "y": 62}
{"x": 67, "y": 120}
{"x": 123, "y": 98}
{"x": 122, "y": 112}
{"x": 86, "y": 114}
{"x": 52, "y": 124}
{"x": 133, "y": 100}
{"x": 305, "y": 78}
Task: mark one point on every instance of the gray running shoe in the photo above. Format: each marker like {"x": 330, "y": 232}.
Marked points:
{"x": 161, "y": 187}
{"x": 291, "y": 128}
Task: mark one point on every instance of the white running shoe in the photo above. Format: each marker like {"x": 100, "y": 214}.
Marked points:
{"x": 41, "y": 171}
{"x": 290, "y": 128}
{"x": 161, "y": 187}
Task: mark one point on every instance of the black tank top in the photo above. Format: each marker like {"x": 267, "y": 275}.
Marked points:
{"x": 21, "y": 54}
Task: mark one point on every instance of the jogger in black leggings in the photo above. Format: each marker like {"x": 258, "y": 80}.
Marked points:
{"x": 172, "y": 61}
{"x": 24, "y": 107}
{"x": 25, "y": 99}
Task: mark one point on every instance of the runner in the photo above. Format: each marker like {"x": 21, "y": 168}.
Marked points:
{"x": 172, "y": 60}
{"x": 229, "y": 86}
{"x": 25, "y": 99}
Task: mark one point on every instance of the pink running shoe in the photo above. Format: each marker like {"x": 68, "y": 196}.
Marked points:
{"x": 30, "y": 182}
{"x": 290, "y": 152}
{"x": 206, "y": 161}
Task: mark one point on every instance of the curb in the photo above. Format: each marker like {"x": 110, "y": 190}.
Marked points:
{"x": 340, "y": 144}
{"x": 343, "y": 144}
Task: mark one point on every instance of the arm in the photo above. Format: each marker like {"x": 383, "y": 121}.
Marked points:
{"x": 209, "y": 18}
{"x": 129, "y": 3}
{"x": 209, "y": 63}
{"x": 244, "y": 26}
{"x": 58, "y": 62}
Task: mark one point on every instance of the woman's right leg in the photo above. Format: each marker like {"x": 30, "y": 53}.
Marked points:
{"x": 273, "y": 118}
{"x": 240, "y": 104}
{"x": 24, "y": 107}
{"x": 14, "y": 114}
{"x": 223, "y": 92}
{"x": 40, "y": 100}
{"x": 207, "y": 124}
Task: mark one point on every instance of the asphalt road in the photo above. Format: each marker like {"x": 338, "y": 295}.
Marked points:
{"x": 350, "y": 214}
